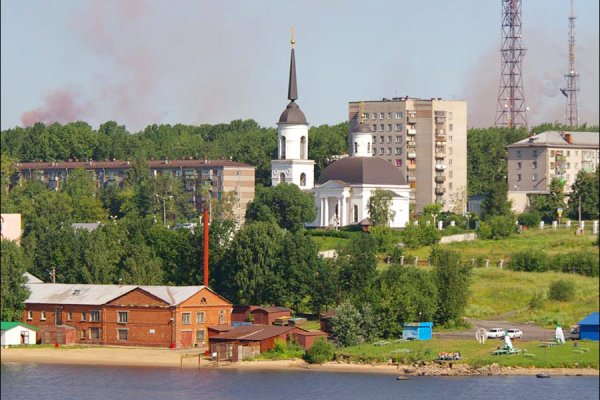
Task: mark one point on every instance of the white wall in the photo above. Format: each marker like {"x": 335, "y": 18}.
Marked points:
{"x": 12, "y": 336}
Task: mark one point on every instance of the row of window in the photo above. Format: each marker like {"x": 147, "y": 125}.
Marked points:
{"x": 94, "y": 316}
{"x": 186, "y": 317}
{"x": 123, "y": 317}
{"x": 389, "y": 151}
{"x": 389, "y": 127}
{"x": 389, "y": 139}
{"x": 534, "y": 177}
{"x": 382, "y": 115}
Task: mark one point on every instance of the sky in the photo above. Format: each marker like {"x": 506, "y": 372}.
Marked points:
{"x": 140, "y": 62}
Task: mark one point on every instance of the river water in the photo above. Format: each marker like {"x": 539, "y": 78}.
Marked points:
{"x": 61, "y": 382}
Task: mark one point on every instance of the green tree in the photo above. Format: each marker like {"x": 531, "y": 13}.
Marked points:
{"x": 496, "y": 202}
{"x": 7, "y": 171}
{"x": 452, "y": 279}
{"x": 99, "y": 254}
{"x": 14, "y": 292}
{"x": 85, "y": 204}
{"x": 285, "y": 203}
{"x": 140, "y": 266}
{"x": 380, "y": 207}
{"x": 357, "y": 266}
{"x": 326, "y": 142}
{"x": 346, "y": 325}
{"x": 546, "y": 205}
{"x": 586, "y": 188}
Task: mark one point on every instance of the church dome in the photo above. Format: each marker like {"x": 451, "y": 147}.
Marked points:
{"x": 292, "y": 115}
{"x": 362, "y": 128}
{"x": 362, "y": 170}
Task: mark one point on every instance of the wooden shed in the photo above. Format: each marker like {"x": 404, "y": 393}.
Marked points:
{"x": 306, "y": 338}
{"x": 261, "y": 335}
{"x": 268, "y": 315}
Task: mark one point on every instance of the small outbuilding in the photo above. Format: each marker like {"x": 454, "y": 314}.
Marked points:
{"x": 417, "y": 331}
{"x": 268, "y": 315}
{"x": 588, "y": 327}
{"x": 306, "y": 338}
{"x": 17, "y": 333}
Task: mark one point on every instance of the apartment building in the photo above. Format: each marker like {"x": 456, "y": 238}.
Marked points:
{"x": 218, "y": 175}
{"x": 426, "y": 139}
{"x": 535, "y": 161}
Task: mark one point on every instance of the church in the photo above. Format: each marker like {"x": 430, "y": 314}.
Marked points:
{"x": 343, "y": 190}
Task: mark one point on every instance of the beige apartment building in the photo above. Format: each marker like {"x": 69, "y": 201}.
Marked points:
{"x": 220, "y": 177}
{"x": 535, "y": 161}
{"x": 426, "y": 139}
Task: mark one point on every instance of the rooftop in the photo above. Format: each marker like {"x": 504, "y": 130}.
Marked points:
{"x": 560, "y": 139}
{"x": 152, "y": 164}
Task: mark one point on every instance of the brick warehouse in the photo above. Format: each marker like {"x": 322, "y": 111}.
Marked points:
{"x": 126, "y": 315}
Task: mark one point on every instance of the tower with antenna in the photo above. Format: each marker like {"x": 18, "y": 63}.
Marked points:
{"x": 572, "y": 78}
{"x": 510, "y": 110}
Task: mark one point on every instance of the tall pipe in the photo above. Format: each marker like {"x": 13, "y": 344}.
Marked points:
{"x": 205, "y": 221}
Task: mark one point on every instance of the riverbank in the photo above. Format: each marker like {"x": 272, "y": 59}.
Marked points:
{"x": 146, "y": 357}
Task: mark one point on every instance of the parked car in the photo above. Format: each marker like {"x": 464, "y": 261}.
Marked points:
{"x": 495, "y": 333}
{"x": 514, "y": 333}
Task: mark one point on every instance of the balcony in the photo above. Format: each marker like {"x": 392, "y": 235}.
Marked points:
{"x": 411, "y": 131}
{"x": 440, "y": 179}
{"x": 440, "y": 154}
{"x": 439, "y": 191}
{"x": 440, "y": 167}
{"x": 411, "y": 167}
{"x": 411, "y": 178}
{"x": 411, "y": 117}
{"x": 411, "y": 154}
{"x": 440, "y": 132}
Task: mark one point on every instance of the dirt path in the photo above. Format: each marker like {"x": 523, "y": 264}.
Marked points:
{"x": 530, "y": 331}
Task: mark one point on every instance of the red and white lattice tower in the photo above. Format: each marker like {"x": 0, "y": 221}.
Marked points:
{"x": 511, "y": 111}
{"x": 572, "y": 78}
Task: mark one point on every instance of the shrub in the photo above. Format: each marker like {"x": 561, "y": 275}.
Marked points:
{"x": 537, "y": 300}
{"x": 561, "y": 290}
{"x": 279, "y": 347}
{"x": 530, "y": 219}
{"x": 530, "y": 261}
{"x": 421, "y": 235}
{"x": 577, "y": 263}
{"x": 502, "y": 226}
{"x": 320, "y": 352}
{"x": 384, "y": 237}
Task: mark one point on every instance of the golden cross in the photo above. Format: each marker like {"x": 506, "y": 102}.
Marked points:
{"x": 292, "y": 41}
{"x": 361, "y": 113}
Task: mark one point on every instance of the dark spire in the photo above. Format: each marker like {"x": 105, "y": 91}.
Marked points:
{"x": 293, "y": 87}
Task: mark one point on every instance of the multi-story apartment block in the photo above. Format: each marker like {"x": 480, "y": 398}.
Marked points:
{"x": 535, "y": 161}
{"x": 426, "y": 139}
{"x": 217, "y": 176}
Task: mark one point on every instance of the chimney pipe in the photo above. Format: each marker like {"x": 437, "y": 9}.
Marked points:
{"x": 568, "y": 138}
{"x": 205, "y": 223}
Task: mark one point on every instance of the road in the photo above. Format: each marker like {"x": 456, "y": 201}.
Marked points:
{"x": 530, "y": 331}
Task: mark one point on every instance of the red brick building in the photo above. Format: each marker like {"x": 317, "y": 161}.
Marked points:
{"x": 128, "y": 315}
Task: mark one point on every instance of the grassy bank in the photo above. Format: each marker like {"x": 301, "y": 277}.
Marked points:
{"x": 475, "y": 354}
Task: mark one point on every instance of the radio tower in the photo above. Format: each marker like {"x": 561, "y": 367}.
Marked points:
{"x": 510, "y": 110}
{"x": 571, "y": 117}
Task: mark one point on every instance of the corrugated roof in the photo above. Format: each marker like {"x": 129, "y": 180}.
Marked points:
{"x": 555, "y": 138}
{"x": 253, "y": 332}
{"x": 9, "y": 325}
{"x": 273, "y": 309}
{"x": 62, "y": 293}
{"x": 32, "y": 279}
{"x": 592, "y": 319}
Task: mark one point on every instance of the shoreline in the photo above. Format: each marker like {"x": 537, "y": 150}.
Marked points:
{"x": 149, "y": 357}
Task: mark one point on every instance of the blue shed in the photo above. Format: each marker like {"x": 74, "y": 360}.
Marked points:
{"x": 417, "y": 331}
{"x": 588, "y": 327}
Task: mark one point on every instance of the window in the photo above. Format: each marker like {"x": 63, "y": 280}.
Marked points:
{"x": 381, "y": 151}
{"x": 568, "y": 153}
{"x": 534, "y": 165}
{"x": 221, "y": 317}
{"x": 83, "y": 333}
{"x": 519, "y": 165}
{"x": 381, "y": 115}
{"x": 355, "y": 213}
{"x": 200, "y": 317}
{"x": 95, "y": 333}
{"x": 399, "y": 162}
{"x": 450, "y": 186}
{"x": 552, "y": 165}
{"x": 389, "y": 139}
{"x": 398, "y": 139}
{"x": 374, "y": 139}
{"x": 389, "y": 127}
{"x": 283, "y": 147}
{"x": 552, "y": 153}
{"x": 389, "y": 151}
{"x": 303, "y": 148}
{"x": 398, "y": 115}
{"x": 519, "y": 153}
{"x": 374, "y": 116}
{"x": 398, "y": 127}
{"x": 122, "y": 317}
{"x": 382, "y": 139}
{"x": 369, "y": 147}
{"x": 374, "y": 127}
{"x": 389, "y": 115}
{"x": 83, "y": 316}
{"x": 450, "y": 127}
{"x": 398, "y": 150}
{"x": 450, "y": 115}
{"x": 94, "y": 316}
{"x": 29, "y": 315}
{"x": 535, "y": 153}
{"x": 303, "y": 179}
{"x": 69, "y": 316}
{"x": 185, "y": 318}
{"x": 382, "y": 127}
{"x": 568, "y": 165}
{"x": 355, "y": 147}
{"x": 534, "y": 177}
{"x": 366, "y": 115}
{"x": 43, "y": 316}
{"x": 200, "y": 335}
{"x": 123, "y": 334}
{"x": 450, "y": 174}
{"x": 519, "y": 177}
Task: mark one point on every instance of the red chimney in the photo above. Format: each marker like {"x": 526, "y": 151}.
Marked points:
{"x": 568, "y": 138}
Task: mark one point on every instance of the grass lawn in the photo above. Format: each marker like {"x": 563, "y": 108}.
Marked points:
{"x": 473, "y": 353}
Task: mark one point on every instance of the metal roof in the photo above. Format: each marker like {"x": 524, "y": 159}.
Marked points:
{"x": 5, "y": 326}
{"x": 362, "y": 170}
{"x": 32, "y": 279}
{"x": 62, "y": 293}
{"x": 592, "y": 319}
{"x": 555, "y": 138}
{"x": 253, "y": 332}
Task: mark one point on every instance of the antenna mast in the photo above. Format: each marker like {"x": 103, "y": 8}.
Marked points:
{"x": 510, "y": 110}
{"x": 572, "y": 77}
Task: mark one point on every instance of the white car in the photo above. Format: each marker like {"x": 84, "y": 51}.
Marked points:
{"x": 514, "y": 333}
{"x": 495, "y": 333}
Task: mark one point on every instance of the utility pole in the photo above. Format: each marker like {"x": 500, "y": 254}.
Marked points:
{"x": 53, "y": 274}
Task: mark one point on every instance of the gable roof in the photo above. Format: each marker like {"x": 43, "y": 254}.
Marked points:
{"x": 555, "y": 138}
{"x": 253, "y": 332}
{"x": 31, "y": 278}
{"x": 592, "y": 319}
{"x": 272, "y": 309}
{"x": 4, "y": 325}
{"x": 83, "y": 294}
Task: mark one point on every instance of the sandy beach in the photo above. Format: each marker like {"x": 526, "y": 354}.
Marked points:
{"x": 150, "y": 357}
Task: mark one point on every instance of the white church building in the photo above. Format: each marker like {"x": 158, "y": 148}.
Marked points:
{"x": 343, "y": 190}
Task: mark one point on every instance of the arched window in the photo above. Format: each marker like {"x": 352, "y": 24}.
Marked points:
{"x": 355, "y": 147}
{"x": 369, "y": 147}
{"x": 303, "y": 179}
{"x": 303, "y": 148}
{"x": 355, "y": 213}
{"x": 283, "y": 147}
{"x": 281, "y": 177}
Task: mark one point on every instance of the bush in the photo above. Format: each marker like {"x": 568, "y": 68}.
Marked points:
{"x": 537, "y": 300}
{"x": 530, "y": 261}
{"x": 421, "y": 235}
{"x": 530, "y": 219}
{"x": 576, "y": 263}
{"x": 384, "y": 237}
{"x": 320, "y": 352}
{"x": 561, "y": 290}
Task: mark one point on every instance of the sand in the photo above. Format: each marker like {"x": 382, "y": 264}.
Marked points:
{"x": 151, "y": 357}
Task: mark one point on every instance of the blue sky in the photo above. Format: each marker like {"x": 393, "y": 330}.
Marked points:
{"x": 140, "y": 62}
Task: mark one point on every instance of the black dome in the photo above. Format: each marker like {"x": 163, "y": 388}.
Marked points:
{"x": 292, "y": 115}
{"x": 362, "y": 128}
{"x": 357, "y": 170}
